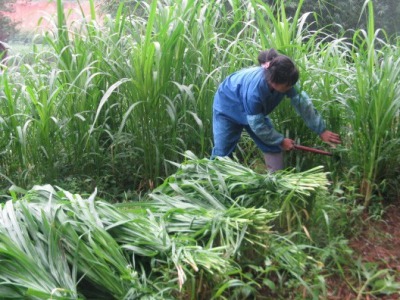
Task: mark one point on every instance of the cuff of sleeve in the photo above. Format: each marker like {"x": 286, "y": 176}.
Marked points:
{"x": 265, "y": 132}
{"x": 320, "y": 130}
{"x": 279, "y": 141}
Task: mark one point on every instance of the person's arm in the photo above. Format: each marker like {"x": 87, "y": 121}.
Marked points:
{"x": 254, "y": 107}
{"x": 305, "y": 109}
{"x": 265, "y": 132}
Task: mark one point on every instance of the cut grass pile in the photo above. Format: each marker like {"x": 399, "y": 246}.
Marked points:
{"x": 198, "y": 232}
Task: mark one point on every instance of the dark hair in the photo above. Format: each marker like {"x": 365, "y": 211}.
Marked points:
{"x": 267, "y": 55}
{"x": 281, "y": 69}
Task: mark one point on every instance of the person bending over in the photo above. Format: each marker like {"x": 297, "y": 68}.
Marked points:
{"x": 246, "y": 98}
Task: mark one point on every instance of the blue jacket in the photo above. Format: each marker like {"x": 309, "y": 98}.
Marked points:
{"x": 246, "y": 98}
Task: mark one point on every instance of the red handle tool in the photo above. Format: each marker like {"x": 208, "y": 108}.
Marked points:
{"x": 309, "y": 149}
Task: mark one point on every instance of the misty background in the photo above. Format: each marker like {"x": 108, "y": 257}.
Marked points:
{"x": 339, "y": 17}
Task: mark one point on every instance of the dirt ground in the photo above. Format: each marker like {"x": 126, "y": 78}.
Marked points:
{"x": 378, "y": 243}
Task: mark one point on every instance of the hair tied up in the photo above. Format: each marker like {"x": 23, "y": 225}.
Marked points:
{"x": 267, "y": 56}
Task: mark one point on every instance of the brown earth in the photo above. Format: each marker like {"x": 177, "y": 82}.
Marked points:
{"x": 377, "y": 244}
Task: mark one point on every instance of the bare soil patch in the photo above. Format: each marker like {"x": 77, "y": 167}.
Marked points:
{"x": 377, "y": 243}
{"x": 380, "y": 240}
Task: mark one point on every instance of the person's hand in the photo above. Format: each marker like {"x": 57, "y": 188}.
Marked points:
{"x": 287, "y": 144}
{"x": 330, "y": 138}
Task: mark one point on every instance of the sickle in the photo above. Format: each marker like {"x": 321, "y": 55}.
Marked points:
{"x": 314, "y": 150}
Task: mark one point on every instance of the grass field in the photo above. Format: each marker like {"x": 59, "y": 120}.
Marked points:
{"x": 106, "y": 186}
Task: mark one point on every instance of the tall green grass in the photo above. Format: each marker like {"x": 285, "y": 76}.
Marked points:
{"x": 374, "y": 101}
{"x": 131, "y": 94}
{"x": 115, "y": 104}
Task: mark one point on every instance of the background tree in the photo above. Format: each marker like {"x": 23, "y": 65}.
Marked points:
{"x": 347, "y": 15}
{"x": 8, "y": 26}
{"x": 339, "y": 16}
{"x": 387, "y": 16}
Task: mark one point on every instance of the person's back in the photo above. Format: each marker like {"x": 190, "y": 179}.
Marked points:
{"x": 236, "y": 87}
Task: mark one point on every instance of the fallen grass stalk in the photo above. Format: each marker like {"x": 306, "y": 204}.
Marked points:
{"x": 224, "y": 183}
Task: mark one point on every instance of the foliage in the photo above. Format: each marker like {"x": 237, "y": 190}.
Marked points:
{"x": 232, "y": 184}
{"x": 377, "y": 103}
{"x": 194, "y": 233}
{"x": 65, "y": 244}
{"x": 343, "y": 17}
{"x": 115, "y": 105}
{"x": 109, "y": 105}
{"x": 211, "y": 231}
{"x": 7, "y": 25}
{"x": 337, "y": 16}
